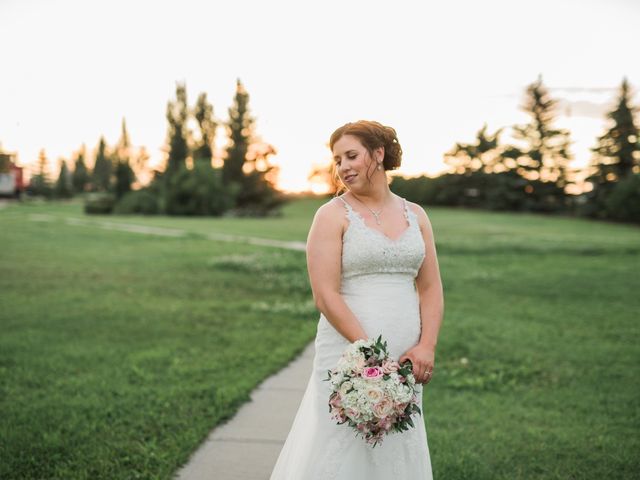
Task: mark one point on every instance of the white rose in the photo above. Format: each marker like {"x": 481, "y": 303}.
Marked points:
{"x": 345, "y": 387}
{"x": 374, "y": 394}
{"x": 405, "y": 393}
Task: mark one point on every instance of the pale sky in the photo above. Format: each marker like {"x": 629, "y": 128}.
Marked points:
{"x": 435, "y": 71}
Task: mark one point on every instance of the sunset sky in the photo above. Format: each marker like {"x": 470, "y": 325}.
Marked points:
{"x": 435, "y": 71}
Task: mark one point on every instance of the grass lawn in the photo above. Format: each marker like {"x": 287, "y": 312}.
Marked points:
{"x": 120, "y": 351}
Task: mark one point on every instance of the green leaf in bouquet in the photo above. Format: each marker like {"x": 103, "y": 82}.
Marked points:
{"x": 406, "y": 370}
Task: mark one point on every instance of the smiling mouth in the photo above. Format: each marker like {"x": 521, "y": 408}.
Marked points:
{"x": 349, "y": 177}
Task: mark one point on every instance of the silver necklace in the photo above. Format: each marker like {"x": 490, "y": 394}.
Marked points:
{"x": 374, "y": 213}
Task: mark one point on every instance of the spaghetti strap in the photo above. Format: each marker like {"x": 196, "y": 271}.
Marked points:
{"x": 346, "y": 204}
{"x": 406, "y": 210}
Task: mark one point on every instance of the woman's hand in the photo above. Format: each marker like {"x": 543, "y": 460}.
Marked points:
{"x": 423, "y": 359}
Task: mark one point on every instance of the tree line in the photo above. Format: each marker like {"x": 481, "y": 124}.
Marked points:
{"x": 534, "y": 173}
{"x": 531, "y": 173}
{"x": 193, "y": 181}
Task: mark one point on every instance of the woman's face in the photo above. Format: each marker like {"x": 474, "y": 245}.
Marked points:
{"x": 353, "y": 162}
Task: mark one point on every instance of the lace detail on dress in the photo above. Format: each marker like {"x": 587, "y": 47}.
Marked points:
{"x": 412, "y": 449}
{"x": 383, "y": 254}
{"x": 329, "y": 469}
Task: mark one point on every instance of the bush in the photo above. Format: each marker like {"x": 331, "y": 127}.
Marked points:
{"x": 199, "y": 191}
{"x": 624, "y": 201}
{"x": 494, "y": 191}
{"x": 414, "y": 189}
{"x": 144, "y": 202}
{"x": 99, "y": 203}
{"x": 505, "y": 191}
{"x": 256, "y": 197}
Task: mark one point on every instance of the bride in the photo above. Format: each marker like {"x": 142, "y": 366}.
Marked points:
{"x": 373, "y": 270}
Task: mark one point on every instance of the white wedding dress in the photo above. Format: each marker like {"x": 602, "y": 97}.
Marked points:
{"x": 378, "y": 285}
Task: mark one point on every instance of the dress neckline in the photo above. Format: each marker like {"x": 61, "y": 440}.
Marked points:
{"x": 381, "y": 233}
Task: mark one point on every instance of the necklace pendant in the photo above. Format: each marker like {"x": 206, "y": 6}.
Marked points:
{"x": 377, "y": 217}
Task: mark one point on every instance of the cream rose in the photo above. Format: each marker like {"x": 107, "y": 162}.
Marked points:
{"x": 375, "y": 395}
{"x": 390, "y": 366}
{"x": 383, "y": 408}
{"x": 345, "y": 387}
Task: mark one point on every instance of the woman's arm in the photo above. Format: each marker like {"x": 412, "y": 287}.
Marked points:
{"x": 324, "y": 264}
{"x": 430, "y": 293}
{"x": 429, "y": 286}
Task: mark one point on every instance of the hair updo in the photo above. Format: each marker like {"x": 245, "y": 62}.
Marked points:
{"x": 373, "y": 135}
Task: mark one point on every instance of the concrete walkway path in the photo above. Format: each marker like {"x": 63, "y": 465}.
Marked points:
{"x": 247, "y": 446}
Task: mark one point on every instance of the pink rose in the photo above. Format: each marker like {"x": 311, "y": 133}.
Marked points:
{"x": 339, "y": 416}
{"x": 363, "y": 428}
{"x": 352, "y": 413}
{"x": 385, "y": 423}
{"x": 336, "y": 400}
{"x": 372, "y": 373}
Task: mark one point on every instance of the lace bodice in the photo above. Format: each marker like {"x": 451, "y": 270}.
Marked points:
{"x": 366, "y": 250}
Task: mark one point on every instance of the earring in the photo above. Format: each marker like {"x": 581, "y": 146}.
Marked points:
{"x": 379, "y": 165}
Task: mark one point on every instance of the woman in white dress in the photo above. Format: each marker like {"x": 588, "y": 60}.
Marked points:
{"x": 373, "y": 270}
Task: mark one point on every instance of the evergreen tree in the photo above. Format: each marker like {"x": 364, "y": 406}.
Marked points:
{"x": 616, "y": 156}
{"x": 177, "y": 115}
{"x": 43, "y": 167}
{"x": 484, "y": 154}
{"x": 617, "y": 153}
{"x": 124, "y": 176}
{"x": 246, "y": 169}
{"x": 203, "y": 113}
{"x": 80, "y": 176}
{"x": 123, "y": 148}
{"x": 546, "y": 156}
{"x": 40, "y": 184}
{"x": 63, "y": 188}
{"x": 240, "y": 128}
{"x": 102, "y": 169}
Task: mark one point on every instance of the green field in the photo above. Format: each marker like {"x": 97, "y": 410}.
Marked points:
{"x": 119, "y": 351}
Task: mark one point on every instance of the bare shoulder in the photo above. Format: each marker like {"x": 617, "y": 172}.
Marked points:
{"x": 330, "y": 216}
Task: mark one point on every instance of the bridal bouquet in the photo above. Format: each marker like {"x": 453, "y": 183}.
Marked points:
{"x": 372, "y": 393}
